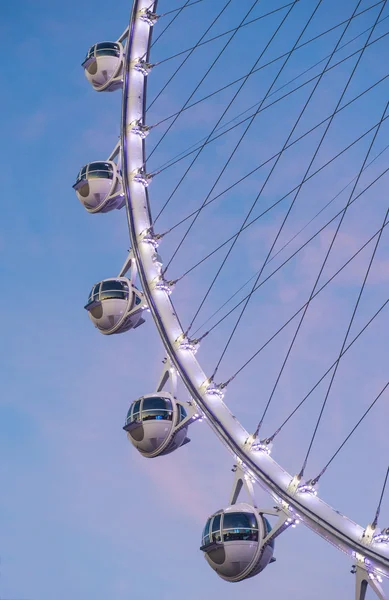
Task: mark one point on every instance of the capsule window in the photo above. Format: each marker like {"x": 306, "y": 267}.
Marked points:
{"x": 206, "y": 535}
{"x": 112, "y": 289}
{"x": 240, "y": 526}
{"x": 216, "y": 535}
{"x": 100, "y": 170}
{"x": 94, "y": 294}
{"x": 81, "y": 175}
{"x": 107, "y": 49}
{"x": 157, "y": 409}
{"x": 135, "y": 411}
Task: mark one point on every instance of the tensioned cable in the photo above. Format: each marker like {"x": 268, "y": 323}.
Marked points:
{"x": 317, "y": 280}
{"x": 274, "y": 166}
{"x": 342, "y": 351}
{"x": 215, "y": 127}
{"x": 186, "y": 5}
{"x": 350, "y": 323}
{"x": 289, "y": 242}
{"x": 377, "y": 512}
{"x": 313, "y": 290}
{"x": 206, "y": 140}
{"x": 202, "y": 79}
{"x": 170, "y": 22}
{"x": 248, "y": 126}
{"x": 316, "y": 479}
{"x": 276, "y": 270}
{"x": 188, "y": 56}
{"x": 275, "y": 60}
{"x": 255, "y": 219}
{"x": 220, "y": 35}
{"x": 230, "y": 187}
{"x": 216, "y": 37}
{"x": 299, "y": 405}
{"x": 265, "y": 344}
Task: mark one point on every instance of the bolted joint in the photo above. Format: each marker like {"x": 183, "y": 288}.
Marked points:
{"x": 148, "y": 237}
{"x": 148, "y": 16}
{"x": 140, "y": 176}
{"x": 212, "y": 389}
{"x": 187, "y": 344}
{"x": 262, "y": 446}
{"x": 143, "y": 67}
{"x": 138, "y": 129}
{"x": 165, "y": 286}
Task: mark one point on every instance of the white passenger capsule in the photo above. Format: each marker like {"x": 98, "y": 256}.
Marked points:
{"x": 99, "y": 187}
{"x": 233, "y": 542}
{"x": 103, "y": 66}
{"x": 115, "y": 306}
{"x": 154, "y": 424}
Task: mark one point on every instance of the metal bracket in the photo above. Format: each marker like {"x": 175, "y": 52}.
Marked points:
{"x": 129, "y": 264}
{"x": 364, "y": 579}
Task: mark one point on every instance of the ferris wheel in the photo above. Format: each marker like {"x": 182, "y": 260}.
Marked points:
{"x": 257, "y": 159}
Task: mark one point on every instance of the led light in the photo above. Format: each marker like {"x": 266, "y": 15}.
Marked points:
{"x": 307, "y": 489}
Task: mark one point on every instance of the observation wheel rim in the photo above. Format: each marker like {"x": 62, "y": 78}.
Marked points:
{"x": 312, "y": 510}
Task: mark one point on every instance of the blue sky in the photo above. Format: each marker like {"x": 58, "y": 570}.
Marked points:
{"x": 83, "y": 516}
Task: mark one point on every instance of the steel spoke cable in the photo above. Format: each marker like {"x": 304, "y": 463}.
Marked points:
{"x": 260, "y": 284}
{"x": 269, "y": 175}
{"x": 186, "y": 5}
{"x": 202, "y": 79}
{"x": 334, "y": 372}
{"x": 311, "y": 295}
{"x": 170, "y": 23}
{"x": 345, "y": 337}
{"x": 280, "y": 329}
{"x": 355, "y": 308}
{"x": 190, "y": 54}
{"x": 220, "y": 35}
{"x": 289, "y": 242}
{"x": 215, "y": 127}
{"x": 300, "y": 404}
{"x": 267, "y": 210}
{"x": 316, "y": 479}
{"x": 377, "y": 512}
{"x": 319, "y": 275}
{"x": 298, "y": 139}
{"x": 244, "y": 307}
{"x": 247, "y": 127}
{"x": 205, "y": 140}
{"x": 275, "y": 60}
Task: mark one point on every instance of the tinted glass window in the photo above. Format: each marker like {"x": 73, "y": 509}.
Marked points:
{"x": 135, "y": 410}
{"x": 114, "y": 289}
{"x": 137, "y": 300}
{"x": 206, "y": 538}
{"x": 107, "y": 49}
{"x": 216, "y": 537}
{"x": 94, "y": 294}
{"x": 157, "y": 408}
{"x": 100, "y": 170}
{"x": 240, "y": 526}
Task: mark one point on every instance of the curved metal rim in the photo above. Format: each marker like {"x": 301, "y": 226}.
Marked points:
{"x": 314, "y": 512}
